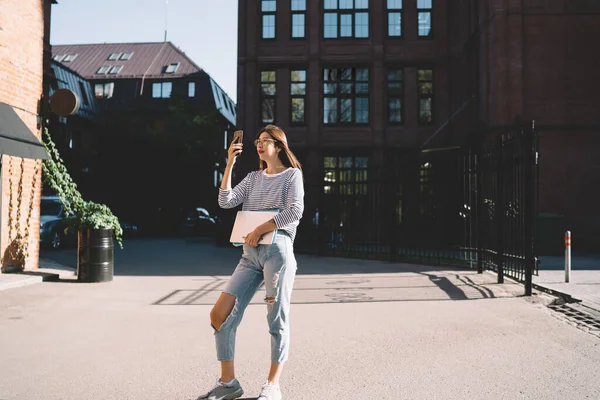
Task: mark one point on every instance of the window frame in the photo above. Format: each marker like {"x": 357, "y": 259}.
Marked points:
{"x": 110, "y": 86}
{"x": 103, "y": 70}
{"x": 346, "y": 11}
{"x": 192, "y": 85}
{"x": 115, "y": 70}
{"x": 162, "y": 83}
{"x": 263, "y": 97}
{"x": 116, "y": 55}
{"x": 390, "y": 97}
{"x": 424, "y": 10}
{"x": 298, "y": 96}
{"x": 263, "y": 14}
{"x": 69, "y": 58}
{"x": 390, "y": 11}
{"x": 174, "y": 66}
{"x": 353, "y": 181}
{"x": 421, "y": 96}
{"x": 339, "y": 96}
{"x": 303, "y": 13}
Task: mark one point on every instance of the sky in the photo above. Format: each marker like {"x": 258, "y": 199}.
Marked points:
{"x": 206, "y": 30}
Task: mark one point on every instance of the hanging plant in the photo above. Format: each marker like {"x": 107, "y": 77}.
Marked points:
{"x": 86, "y": 214}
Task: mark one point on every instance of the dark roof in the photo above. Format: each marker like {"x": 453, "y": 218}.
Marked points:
{"x": 148, "y": 59}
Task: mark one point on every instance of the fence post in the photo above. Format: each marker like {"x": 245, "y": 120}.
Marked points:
{"x": 479, "y": 201}
{"x": 567, "y": 256}
{"x": 530, "y": 164}
{"x": 499, "y": 214}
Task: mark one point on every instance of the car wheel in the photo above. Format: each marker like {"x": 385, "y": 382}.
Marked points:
{"x": 56, "y": 241}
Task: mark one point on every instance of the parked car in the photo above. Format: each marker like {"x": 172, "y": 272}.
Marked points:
{"x": 129, "y": 229}
{"x": 53, "y": 221}
{"x": 199, "y": 222}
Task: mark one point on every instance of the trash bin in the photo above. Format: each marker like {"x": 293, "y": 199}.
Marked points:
{"x": 95, "y": 255}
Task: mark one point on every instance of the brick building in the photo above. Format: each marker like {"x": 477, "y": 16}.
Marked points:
{"x": 353, "y": 81}
{"x": 24, "y": 57}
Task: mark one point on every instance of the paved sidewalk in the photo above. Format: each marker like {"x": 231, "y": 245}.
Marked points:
{"x": 584, "y": 284}
{"x": 360, "y": 330}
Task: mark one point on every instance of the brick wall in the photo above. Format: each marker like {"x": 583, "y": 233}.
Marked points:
{"x": 22, "y": 33}
{"x": 537, "y": 65}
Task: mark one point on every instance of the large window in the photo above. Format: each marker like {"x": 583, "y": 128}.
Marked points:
{"x": 268, "y": 9}
{"x": 267, "y": 101}
{"x": 424, "y": 10}
{"x": 298, "y": 19}
{"x": 104, "y": 90}
{"x": 395, "y": 90}
{"x": 298, "y": 96}
{"x": 425, "y": 77}
{"x": 162, "y": 90}
{"x": 346, "y": 95}
{"x": 346, "y": 19}
{"x": 345, "y": 176}
{"x": 394, "y": 8}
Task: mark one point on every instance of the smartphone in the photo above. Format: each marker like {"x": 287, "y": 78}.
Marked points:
{"x": 238, "y": 137}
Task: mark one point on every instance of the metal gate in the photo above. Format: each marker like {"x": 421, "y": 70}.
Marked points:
{"x": 473, "y": 206}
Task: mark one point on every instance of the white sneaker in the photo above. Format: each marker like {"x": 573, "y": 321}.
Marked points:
{"x": 270, "y": 392}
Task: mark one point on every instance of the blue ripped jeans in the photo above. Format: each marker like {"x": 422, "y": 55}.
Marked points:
{"x": 275, "y": 265}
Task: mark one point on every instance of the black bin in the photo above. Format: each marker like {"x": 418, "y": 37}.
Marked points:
{"x": 95, "y": 255}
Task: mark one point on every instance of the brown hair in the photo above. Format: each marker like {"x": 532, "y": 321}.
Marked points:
{"x": 285, "y": 155}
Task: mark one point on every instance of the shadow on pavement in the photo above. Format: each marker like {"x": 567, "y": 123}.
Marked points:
{"x": 319, "y": 280}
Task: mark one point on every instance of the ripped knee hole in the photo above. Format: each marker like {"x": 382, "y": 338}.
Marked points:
{"x": 269, "y": 300}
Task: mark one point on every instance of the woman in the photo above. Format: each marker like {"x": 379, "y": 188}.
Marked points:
{"x": 278, "y": 184}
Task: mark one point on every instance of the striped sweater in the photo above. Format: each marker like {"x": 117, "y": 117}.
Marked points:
{"x": 260, "y": 191}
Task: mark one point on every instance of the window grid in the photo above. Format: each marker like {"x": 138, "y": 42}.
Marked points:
{"x": 346, "y": 96}
{"x": 268, "y": 10}
{"x": 425, "y": 84}
{"x": 267, "y": 101}
{"x": 298, "y": 19}
{"x": 394, "y": 12}
{"x": 298, "y": 96}
{"x": 345, "y": 176}
{"x": 395, "y": 89}
{"x": 104, "y": 90}
{"x": 162, "y": 90}
{"x": 346, "y": 19}
{"x": 424, "y": 14}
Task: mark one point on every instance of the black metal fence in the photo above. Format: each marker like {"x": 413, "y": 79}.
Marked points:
{"x": 473, "y": 206}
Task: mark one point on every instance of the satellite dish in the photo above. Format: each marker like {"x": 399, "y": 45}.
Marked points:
{"x": 64, "y": 102}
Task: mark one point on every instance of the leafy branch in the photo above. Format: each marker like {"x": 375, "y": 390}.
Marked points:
{"x": 87, "y": 214}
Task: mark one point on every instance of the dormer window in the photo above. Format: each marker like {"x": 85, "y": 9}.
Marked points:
{"x": 171, "y": 68}
{"x": 70, "y": 58}
{"x": 114, "y": 56}
{"x": 126, "y": 56}
{"x": 103, "y": 69}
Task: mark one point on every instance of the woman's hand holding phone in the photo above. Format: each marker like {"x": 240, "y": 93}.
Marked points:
{"x": 236, "y": 148}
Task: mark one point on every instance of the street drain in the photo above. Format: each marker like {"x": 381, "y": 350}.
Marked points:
{"x": 584, "y": 318}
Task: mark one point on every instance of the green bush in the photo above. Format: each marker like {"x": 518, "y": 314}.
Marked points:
{"x": 86, "y": 214}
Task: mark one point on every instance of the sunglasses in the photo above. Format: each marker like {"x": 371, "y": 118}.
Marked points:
{"x": 262, "y": 142}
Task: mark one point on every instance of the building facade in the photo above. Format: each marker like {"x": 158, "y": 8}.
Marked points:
{"x": 350, "y": 82}
{"x": 24, "y": 58}
{"x": 360, "y": 84}
{"x": 164, "y": 125}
